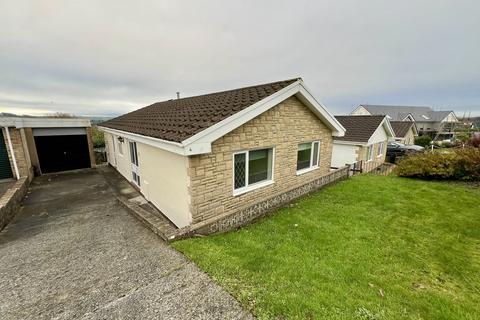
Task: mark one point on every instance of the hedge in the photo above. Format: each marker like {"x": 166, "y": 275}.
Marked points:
{"x": 457, "y": 164}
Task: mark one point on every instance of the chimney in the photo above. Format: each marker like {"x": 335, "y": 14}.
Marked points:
{"x": 178, "y": 95}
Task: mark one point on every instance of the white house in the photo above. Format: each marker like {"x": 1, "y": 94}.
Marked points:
{"x": 365, "y": 140}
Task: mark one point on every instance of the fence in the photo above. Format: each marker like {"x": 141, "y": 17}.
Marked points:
{"x": 381, "y": 168}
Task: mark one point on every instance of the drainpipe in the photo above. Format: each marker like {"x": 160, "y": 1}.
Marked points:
{"x": 12, "y": 153}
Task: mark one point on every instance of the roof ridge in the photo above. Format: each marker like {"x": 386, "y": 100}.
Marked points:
{"x": 229, "y": 90}
{"x": 363, "y": 115}
{"x": 393, "y": 105}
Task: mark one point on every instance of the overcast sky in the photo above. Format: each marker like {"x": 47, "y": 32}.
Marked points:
{"x": 110, "y": 57}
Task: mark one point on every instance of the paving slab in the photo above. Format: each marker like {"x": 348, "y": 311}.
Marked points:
{"x": 73, "y": 252}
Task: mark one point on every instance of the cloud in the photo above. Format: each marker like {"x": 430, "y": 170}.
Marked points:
{"x": 109, "y": 57}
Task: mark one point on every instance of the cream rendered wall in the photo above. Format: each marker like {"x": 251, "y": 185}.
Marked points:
{"x": 110, "y": 149}
{"x": 120, "y": 161}
{"x": 164, "y": 178}
{"x": 450, "y": 118}
{"x": 343, "y": 154}
{"x": 165, "y": 182}
{"x": 378, "y": 136}
{"x": 360, "y": 111}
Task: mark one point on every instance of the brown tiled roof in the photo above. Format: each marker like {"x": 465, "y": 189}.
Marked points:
{"x": 359, "y": 128}
{"x": 401, "y": 127}
{"x": 179, "y": 119}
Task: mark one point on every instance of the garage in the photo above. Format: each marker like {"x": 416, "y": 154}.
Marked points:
{"x": 61, "y": 149}
{"x": 36, "y": 145}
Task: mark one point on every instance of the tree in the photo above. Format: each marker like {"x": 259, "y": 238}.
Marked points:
{"x": 423, "y": 141}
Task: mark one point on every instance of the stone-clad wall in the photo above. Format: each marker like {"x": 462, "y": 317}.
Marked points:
{"x": 247, "y": 215}
{"x": 283, "y": 127}
{"x": 376, "y": 161}
{"x": 21, "y": 154}
{"x": 11, "y": 199}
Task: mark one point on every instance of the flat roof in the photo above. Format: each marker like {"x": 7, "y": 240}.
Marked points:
{"x": 38, "y": 122}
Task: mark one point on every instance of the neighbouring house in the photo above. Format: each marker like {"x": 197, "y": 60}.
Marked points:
{"x": 405, "y": 131}
{"x": 225, "y": 156}
{"x": 365, "y": 141}
{"x": 437, "y": 124}
{"x": 39, "y": 145}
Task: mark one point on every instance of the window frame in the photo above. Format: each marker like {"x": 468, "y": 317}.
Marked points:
{"x": 311, "y": 167}
{"x": 249, "y": 187}
{"x": 380, "y": 150}
{"x": 370, "y": 147}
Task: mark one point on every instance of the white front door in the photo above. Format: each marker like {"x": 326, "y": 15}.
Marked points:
{"x": 134, "y": 162}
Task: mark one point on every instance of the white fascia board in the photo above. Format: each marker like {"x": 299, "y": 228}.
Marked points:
{"x": 448, "y": 115}
{"x": 415, "y": 130}
{"x": 201, "y": 142}
{"x": 388, "y": 127}
{"x": 318, "y": 108}
{"x": 385, "y": 124}
{"x": 19, "y": 122}
{"x": 350, "y": 143}
{"x": 198, "y": 142}
{"x": 174, "y": 147}
{"x": 409, "y": 116}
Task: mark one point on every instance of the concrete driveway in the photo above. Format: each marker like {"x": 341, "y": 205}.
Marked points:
{"x": 74, "y": 253}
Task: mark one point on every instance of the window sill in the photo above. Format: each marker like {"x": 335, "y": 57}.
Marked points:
{"x": 300, "y": 172}
{"x": 252, "y": 187}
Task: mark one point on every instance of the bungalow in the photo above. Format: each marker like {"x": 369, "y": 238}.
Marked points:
{"x": 365, "y": 140}
{"x": 200, "y": 159}
{"x": 405, "y": 131}
{"x": 437, "y": 124}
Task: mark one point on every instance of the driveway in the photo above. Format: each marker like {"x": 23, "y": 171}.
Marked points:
{"x": 74, "y": 253}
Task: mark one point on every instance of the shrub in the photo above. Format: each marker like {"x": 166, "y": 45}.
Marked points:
{"x": 475, "y": 141}
{"x": 98, "y": 138}
{"x": 459, "y": 164}
{"x": 423, "y": 141}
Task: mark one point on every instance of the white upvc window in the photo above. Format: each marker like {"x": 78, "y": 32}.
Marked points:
{"x": 252, "y": 169}
{"x": 308, "y": 156}
{"x": 380, "y": 149}
{"x": 370, "y": 153}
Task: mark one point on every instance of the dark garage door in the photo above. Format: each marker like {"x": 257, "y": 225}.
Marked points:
{"x": 5, "y": 169}
{"x": 62, "y": 152}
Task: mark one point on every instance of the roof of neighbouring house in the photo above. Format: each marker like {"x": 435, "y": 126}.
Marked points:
{"x": 359, "y": 128}
{"x": 180, "y": 119}
{"x": 398, "y": 113}
{"x": 401, "y": 128}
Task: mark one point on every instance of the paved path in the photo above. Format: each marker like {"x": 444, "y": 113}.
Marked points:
{"x": 74, "y": 253}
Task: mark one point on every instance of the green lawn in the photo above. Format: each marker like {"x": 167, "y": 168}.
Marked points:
{"x": 372, "y": 247}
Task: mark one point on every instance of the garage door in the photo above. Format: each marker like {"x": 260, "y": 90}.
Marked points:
{"x": 61, "y": 149}
{"x": 5, "y": 168}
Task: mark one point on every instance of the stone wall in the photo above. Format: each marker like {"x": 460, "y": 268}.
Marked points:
{"x": 283, "y": 127}
{"x": 11, "y": 199}
{"x": 409, "y": 137}
{"x": 243, "y": 216}
{"x": 376, "y": 161}
{"x": 90, "y": 147}
{"x": 20, "y": 149}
